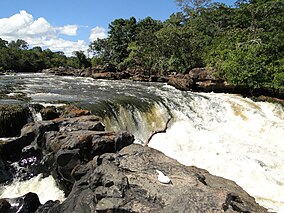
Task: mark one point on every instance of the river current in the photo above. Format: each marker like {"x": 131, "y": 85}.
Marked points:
{"x": 226, "y": 134}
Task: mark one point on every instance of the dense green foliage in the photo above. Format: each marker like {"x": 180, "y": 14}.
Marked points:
{"x": 16, "y": 56}
{"x": 244, "y": 43}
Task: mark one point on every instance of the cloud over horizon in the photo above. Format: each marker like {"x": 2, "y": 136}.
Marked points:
{"x": 39, "y": 32}
{"x": 97, "y": 32}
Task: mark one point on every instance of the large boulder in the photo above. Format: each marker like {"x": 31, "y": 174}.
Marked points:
{"x": 127, "y": 181}
{"x": 27, "y": 203}
{"x": 49, "y": 113}
{"x": 202, "y": 74}
{"x": 58, "y": 146}
{"x": 12, "y": 119}
{"x": 181, "y": 82}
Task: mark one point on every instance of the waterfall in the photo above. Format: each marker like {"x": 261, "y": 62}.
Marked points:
{"x": 228, "y": 135}
{"x": 232, "y": 137}
{"x": 141, "y": 119}
{"x": 45, "y": 188}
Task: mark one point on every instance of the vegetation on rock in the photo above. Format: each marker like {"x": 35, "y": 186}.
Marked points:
{"x": 12, "y": 119}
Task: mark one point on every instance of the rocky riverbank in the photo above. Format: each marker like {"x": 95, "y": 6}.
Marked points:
{"x": 102, "y": 171}
{"x": 198, "y": 79}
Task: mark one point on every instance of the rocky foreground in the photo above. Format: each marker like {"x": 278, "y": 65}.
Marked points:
{"x": 103, "y": 172}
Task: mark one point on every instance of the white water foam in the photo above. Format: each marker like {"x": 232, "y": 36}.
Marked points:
{"x": 231, "y": 137}
{"x": 45, "y": 188}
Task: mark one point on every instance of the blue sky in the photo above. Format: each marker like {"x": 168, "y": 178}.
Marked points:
{"x": 69, "y": 25}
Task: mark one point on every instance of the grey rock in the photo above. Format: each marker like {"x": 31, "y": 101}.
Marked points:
{"x": 127, "y": 181}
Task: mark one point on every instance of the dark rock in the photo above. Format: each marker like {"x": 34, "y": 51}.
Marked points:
{"x": 30, "y": 164}
{"x": 90, "y": 122}
{"x": 12, "y": 119}
{"x": 202, "y": 74}
{"x": 45, "y": 208}
{"x": 124, "y": 75}
{"x": 13, "y": 150}
{"x": 181, "y": 82}
{"x": 4, "y": 206}
{"x": 49, "y": 113}
{"x": 35, "y": 151}
{"x": 27, "y": 203}
{"x": 90, "y": 143}
{"x": 63, "y": 71}
{"x": 127, "y": 182}
{"x": 5, "y": 174}
{"x": 106, "y": 75}
{"x": 108, "y": 67}
{"x": 66, "y": 161}
{"x": 37, "y": 107}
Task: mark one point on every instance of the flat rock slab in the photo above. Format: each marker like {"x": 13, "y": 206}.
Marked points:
{"x": 127, "y": 181}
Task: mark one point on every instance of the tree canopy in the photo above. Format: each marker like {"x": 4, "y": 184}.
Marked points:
{"x": 244, "y": 43}
{"x": 16, "y": 56}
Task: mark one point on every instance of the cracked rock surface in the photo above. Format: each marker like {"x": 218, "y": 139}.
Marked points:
{"x": 127, "y": 181}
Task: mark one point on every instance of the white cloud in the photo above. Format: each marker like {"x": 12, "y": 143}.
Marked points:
{"x": 70, "y": 30}
{"x": 97, "y": 32}
{"x": 40, "y": 32}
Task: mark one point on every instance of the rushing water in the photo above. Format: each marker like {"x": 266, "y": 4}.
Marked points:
{"x": 226, "y": 134}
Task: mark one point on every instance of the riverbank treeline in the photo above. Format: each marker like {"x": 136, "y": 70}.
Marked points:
{"x": 244, "y": 43}
{"x": 16, "y": 56}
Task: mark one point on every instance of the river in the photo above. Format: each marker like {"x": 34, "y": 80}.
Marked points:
{"x": 226, "y": 134}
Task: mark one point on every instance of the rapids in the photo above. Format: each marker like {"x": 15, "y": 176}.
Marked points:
{"x": 228, "y": 135}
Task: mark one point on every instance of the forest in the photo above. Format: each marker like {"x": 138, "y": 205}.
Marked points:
{"x": 244, "y": 43}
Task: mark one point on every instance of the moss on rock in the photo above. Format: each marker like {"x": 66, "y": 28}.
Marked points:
{"x": 12, "y": 119}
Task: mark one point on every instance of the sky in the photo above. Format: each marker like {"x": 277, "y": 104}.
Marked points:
{"x": 69, "y": 25}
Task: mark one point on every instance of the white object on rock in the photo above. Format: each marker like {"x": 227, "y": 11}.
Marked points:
{"x": 163, "y": 178}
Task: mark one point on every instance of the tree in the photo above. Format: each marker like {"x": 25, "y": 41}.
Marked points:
{"x": 191, "y": 7}
{"x": 113, "y": 49}
{"x": 3, "y": 43}
{"x": 19, "y": 44}
{"x": 79, "y": 60}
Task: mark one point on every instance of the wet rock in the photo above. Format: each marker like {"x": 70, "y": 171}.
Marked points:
{"x": 12, "y": 119}
{"x": 35, "y": 151}
{"x": 4, "y": 205}
{"x": 49, "y": 113}
{"x": 30, "y": 164}
{"x": 27, "y": 203}
{"x": 5, "y": 174}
